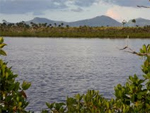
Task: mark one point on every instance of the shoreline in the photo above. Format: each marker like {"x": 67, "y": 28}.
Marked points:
{"x": 77, "y": 32}
{"x": 19, "y": 37}
{"x": 16, "y": 36}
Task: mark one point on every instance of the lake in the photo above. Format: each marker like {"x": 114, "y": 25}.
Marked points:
{"x": 61, "y": 67}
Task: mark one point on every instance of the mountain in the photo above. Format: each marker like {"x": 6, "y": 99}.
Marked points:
{"x": 97, "y": 21}
{"x": 38, "y": 20}
{"x": 139, "y": 22}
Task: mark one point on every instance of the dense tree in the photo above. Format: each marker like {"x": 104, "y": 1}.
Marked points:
{"x": 133, "y": 20}
{"x": 124, "y": 22}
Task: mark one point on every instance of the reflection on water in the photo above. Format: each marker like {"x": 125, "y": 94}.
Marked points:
{"x": 63, "y": 67}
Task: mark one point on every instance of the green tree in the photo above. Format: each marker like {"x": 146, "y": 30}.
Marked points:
{"x": 124, "y": 22}
{"x": 62, "y": 24}
{"x": 133, "y": 21}
{"x": 55, "y": 24}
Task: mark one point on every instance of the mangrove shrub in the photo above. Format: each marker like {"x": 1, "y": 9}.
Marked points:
{"x": 13, "y": 98}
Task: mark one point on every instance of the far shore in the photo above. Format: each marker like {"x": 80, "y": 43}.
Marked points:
{"x": 75, "y": 32}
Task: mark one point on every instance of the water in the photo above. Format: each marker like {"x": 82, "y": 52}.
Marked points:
{"x": 59, "y": 67}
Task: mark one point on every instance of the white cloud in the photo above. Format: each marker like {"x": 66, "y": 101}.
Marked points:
{"x": 125, "y": 13}
{"x": 16, "y": 17}
{"x": 113, "y": 14}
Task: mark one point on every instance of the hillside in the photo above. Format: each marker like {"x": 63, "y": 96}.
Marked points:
{"x": 139, "y": 22}
{"x": 92, "y": 22}
{"x": 97, "y": 21}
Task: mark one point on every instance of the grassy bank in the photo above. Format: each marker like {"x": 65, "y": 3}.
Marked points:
{"x": 82, "y": 31}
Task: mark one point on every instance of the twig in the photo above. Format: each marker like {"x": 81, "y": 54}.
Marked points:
{"x": 141, "y": 6}
{"x": 134, "y": 52}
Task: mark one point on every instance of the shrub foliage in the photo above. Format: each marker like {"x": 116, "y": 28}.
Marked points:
{"x": 12, "y": 94}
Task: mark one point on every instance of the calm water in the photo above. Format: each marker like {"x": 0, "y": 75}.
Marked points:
{"x": 63, "y": 67}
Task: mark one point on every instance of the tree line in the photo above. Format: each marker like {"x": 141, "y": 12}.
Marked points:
{"x": 22, "y": 29}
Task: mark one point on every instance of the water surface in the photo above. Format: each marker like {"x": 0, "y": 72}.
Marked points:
{"x": 63, "y": 67}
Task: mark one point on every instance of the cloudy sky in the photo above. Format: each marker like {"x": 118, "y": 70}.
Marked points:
{"x": 72, "y": 10}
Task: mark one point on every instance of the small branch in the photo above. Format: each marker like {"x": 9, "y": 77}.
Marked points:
{"x": 124, "y": 48}
{"x": 134, "y": 52}
{"x": 141, "y": 6}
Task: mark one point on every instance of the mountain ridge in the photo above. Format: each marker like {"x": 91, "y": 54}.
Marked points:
{"x": 97, "y": 21}
{"x": 93, "y": 22}
{"x": 139, "y": 22}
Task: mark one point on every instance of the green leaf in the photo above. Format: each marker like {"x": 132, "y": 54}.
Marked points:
{"x": 45, "y": 111}
{"x": 79, "y": 97}
{"x": 58, "y": 106}
{"x": 1, "y": 40}
{"x": 147, "y": 106}
{"x": 2, "y": 52}
{"x": 2, "y": 45}
{"x": 50, "y": 106}
{"x": 25, "y": 85}
{"x": 141, "y": 50}
{"x": 144, "y": 48}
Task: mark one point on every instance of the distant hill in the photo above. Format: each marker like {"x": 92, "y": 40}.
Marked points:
{"x": 38, "y": 20}
{"x": 139, "y": 22}
{"x": 93, "y": 22}
{"x": 97, "y": 21}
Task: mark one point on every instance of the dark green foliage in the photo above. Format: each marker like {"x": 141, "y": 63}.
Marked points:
{"x": 133, "y": 20}
{"x": 2, "y": 52}
{"x": 12, "y": 95}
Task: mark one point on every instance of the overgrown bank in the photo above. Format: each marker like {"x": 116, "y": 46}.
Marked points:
{"x": 44, "y": 30}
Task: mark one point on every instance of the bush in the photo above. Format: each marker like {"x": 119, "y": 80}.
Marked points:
{"x": 12, "y": 94}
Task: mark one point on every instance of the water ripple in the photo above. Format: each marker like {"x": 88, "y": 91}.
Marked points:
{"x": 58, "y": 68}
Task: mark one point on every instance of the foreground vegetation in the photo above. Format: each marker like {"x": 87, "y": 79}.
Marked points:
{"x": 12, "y": 93}
{"x": 43, "y": 30}
{"x": 133, "y": 97}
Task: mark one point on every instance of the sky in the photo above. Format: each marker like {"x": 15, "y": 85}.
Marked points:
{"x": 72, "y": 10}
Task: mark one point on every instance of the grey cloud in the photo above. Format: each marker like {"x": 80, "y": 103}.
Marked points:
{"x": 38, "y": 13}
{"x": 128, "y": 3}
{"x": 77, "y": 10}
{"x": 39, "y": 6}
{"x": 85, "y": 3}
{"x": 26, "y": 6}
